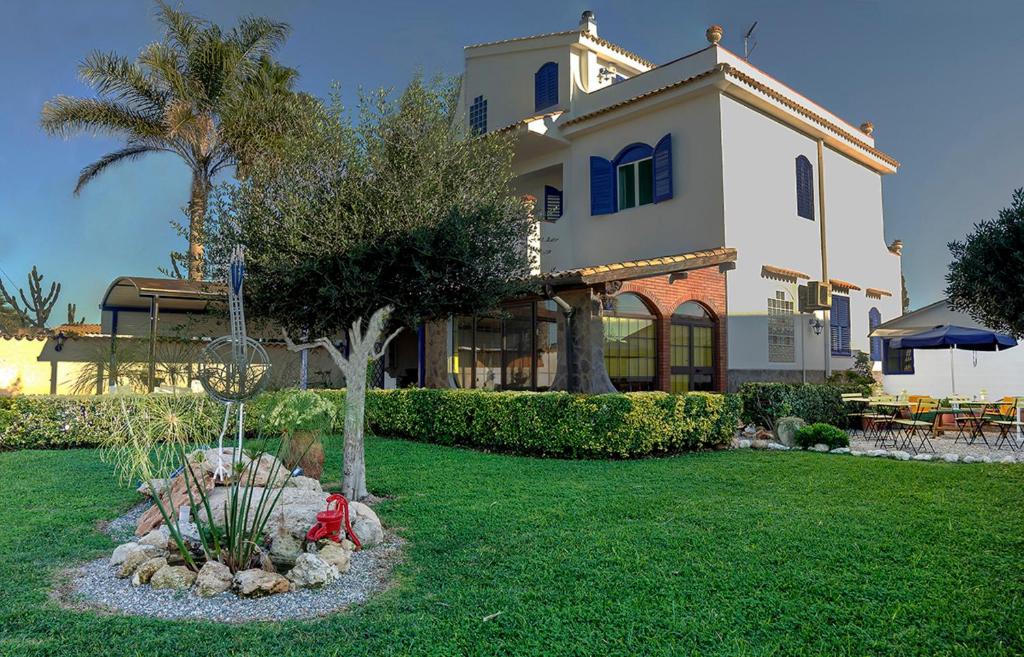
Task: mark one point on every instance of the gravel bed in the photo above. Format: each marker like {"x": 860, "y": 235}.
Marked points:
{"x": 945, "y": 445}
{"x": 95, "y": 586}
{"x": 122, "y": 529}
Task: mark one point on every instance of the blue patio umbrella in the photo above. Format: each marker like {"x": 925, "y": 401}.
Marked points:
{"x": 955, "y": 337}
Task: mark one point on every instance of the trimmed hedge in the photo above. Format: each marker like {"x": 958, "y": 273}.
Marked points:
{"x": 547, "y": 424}
{"x": 557, "y": 423}
{"x": 764, "y": 403}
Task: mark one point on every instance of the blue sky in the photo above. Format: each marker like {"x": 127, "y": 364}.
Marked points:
{"x": 939, "y": 80}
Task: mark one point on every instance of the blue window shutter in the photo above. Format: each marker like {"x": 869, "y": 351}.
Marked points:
{"x": 552, "y": 203}
{"x": 874, "y": 319}
{"x": 839, "y": 322}
{"x": 804, "y": 188}
{"x": 602, "y": 186}
{"x": 663, "y": 169}
{"x": 545, "y": 86}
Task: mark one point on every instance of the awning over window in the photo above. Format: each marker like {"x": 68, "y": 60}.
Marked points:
{"x": 634, "y": 269}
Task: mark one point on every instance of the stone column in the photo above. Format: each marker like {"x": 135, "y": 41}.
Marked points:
{"x": 587, "y": 345}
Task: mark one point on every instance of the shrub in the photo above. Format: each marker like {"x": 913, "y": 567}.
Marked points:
{"x": 300, "y": 410}
{"x": 546, "y": 424}
{"x": 823, "y": 433}
{"x": 764, "y": 403}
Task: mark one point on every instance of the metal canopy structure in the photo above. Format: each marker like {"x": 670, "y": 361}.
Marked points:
{"x": 136, "y": 293}
{"x": 141, "y": 294}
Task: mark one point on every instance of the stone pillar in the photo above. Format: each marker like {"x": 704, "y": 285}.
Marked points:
{"x": 587, "y": 345}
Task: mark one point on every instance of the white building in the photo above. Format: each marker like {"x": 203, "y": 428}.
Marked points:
{"x": 702, "y": 180}
{"x": 992, "y": 374}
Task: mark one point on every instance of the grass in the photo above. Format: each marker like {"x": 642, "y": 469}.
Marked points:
{"x": 727, "y": 553}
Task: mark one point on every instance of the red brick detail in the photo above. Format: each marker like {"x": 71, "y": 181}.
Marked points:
{"x": 706, "y": 286}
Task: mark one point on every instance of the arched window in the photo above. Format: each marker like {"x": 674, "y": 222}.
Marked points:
{"x": 545, "y": 86}
{"x": 692, "y": 349}
{"x": 874, "y": 319}
{"x": 630, "y": 344}
{"x": 804, "y": 188}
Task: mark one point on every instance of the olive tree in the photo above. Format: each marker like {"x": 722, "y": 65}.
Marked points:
{"x": 361, "y": 225}
{"x": 986, "y": 276}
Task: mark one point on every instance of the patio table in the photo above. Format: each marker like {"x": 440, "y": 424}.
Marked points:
{"x": 889, "y": 409}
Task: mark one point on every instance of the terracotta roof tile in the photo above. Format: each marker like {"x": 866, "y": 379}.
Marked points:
{"x": 843, "y": 285}
{"x": 770, "y": 271}
{"x": 582, "y": 33}
{"x": 878, "y": 293}
{"x": 643, "y": 268}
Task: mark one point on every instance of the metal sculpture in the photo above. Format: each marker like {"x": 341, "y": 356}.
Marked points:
{"x": 329, "y": 522}
{"x": 233, "y": 368}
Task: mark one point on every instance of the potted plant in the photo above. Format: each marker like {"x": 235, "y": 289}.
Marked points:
{"x": 301, "y": 417}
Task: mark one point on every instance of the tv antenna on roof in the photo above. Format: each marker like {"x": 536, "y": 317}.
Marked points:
{"x": 749, "y": 42}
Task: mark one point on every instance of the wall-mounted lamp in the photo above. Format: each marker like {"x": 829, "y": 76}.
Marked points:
{"x": 59, "y": 341}
{"x": 816, "y": 324}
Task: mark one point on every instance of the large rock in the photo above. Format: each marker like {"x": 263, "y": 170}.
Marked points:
{"x": 213, "y": 578}
{"x": 208, "y": 459}
{"x": 172, "y": 577}
{"x": 285, "y": 549}
{"x": 254, "y": 583}
{"x": 144, "y": 573}
{"x": 157, "y": 538}
{"x": 786, "y": 428}
{"x": 338, "y": 555}
{"x": 307, "y": 483}
{"x": 121, "y": 553}
{"x": 365, "y": 524}
{"x": 269, "y": 472}
{"x": 135, "y": 558}
{"x": 311, "y": 571}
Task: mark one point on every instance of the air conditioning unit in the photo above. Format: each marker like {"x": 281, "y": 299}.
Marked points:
{"x": 816, "y": 295}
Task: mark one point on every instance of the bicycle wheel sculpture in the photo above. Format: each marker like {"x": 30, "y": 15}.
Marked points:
{"x": 233, "y": 368}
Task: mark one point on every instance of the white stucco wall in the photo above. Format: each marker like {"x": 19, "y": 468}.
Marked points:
{"x": 761, "y": 222}
{"x": 505, "y": 79}
{"x": 687, "y": 222}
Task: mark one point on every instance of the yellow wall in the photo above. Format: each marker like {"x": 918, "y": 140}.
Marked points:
{"x": 22, "y": 373}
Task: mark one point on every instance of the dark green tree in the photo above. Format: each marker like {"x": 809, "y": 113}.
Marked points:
{"x": 210, "y": 96}
{"x": 395, "y": 215}
{"x": 986, "y": 276}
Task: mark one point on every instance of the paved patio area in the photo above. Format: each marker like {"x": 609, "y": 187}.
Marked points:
{"x": 945, "y": 444}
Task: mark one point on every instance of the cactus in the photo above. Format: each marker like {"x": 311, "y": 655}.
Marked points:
{"x": 37, "y": 311}
{"x": 71, "y": 315}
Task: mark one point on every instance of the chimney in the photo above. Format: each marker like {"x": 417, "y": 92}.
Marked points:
{"x": 588, "y": 23}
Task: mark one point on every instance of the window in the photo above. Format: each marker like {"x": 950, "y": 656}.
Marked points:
{"x": 897, "y": 361}
{"x": 781, "y": 330}
{"x": 515, "y": 349}
{"x": 691, "y": 349}
{"x": 874, "y": 319}
{"x": 804, "y": 188}
{"x": 545, "y": 84}
{"x": 478, "y": 116}
{"x": 552, "y": 203}
{"x": 630, "y": 344}
{"x": 839, "y": 323}
{"x": 638, "y": 175}
{"x": 636, "y": 184}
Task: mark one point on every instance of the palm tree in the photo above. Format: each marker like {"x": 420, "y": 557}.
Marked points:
{"x": 196, "y": 93}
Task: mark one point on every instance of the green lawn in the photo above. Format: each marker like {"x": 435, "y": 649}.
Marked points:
{"x": 727, "y": 553}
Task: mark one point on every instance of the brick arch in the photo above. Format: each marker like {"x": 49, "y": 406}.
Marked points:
{"x": 705, "y": 286}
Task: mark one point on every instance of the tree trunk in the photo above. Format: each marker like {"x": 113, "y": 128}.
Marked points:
{"x": 197, "y": 224}
{"x": 353, "y": 481}
{"x": 361, "y": 352}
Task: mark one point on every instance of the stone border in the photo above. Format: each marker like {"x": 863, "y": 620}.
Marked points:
{"x": 899, "y": 455}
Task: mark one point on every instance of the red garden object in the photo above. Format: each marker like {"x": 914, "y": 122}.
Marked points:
{"x": 328, "y": 523}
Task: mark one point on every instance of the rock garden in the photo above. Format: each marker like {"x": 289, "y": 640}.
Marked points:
{"x": 234, "y": 534}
